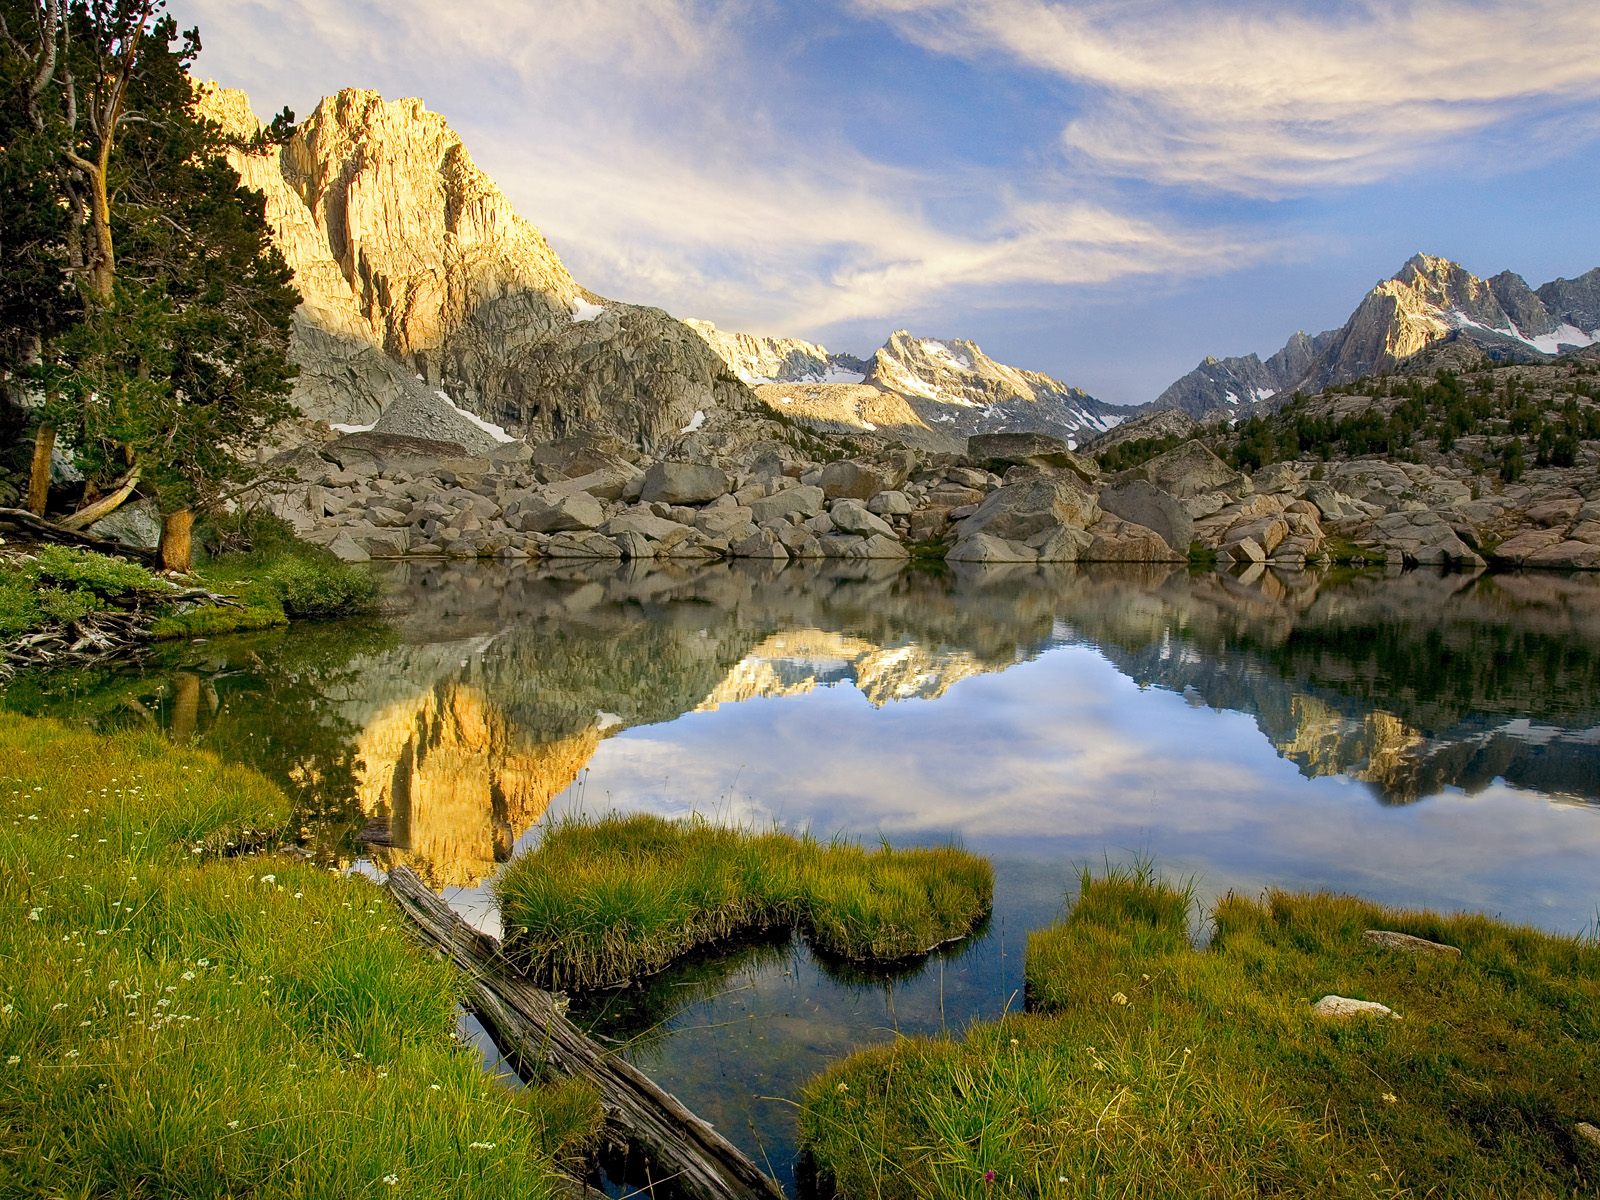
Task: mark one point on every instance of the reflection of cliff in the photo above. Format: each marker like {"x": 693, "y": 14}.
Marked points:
{"x": 798, "y": 660}
{"x": 457, "y": 783}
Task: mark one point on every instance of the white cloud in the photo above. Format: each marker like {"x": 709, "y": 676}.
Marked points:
{"x": 1262, "y": 99}
{"x": 649, "y": 141}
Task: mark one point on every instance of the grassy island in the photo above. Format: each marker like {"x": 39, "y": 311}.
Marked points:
{"x": 1147, "y": 1067}
{"x": 602, "y": 903}
{"x": 178, "y": 1019}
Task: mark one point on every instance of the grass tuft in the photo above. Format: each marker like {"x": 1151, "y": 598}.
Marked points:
{"x": 605, "y": 902}
{"x": 1151, "y": 1068}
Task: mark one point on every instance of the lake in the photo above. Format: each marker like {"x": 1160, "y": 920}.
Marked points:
{"x": 1419, "y": 738}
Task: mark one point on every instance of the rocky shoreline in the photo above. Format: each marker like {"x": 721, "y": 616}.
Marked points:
{"x": 1012, "y": 498}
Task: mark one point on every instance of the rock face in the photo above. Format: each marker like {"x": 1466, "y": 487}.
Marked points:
{"x": 408, "y": 256}
{"x": 756, "y": 359}
{"x": 936, "y": 393}
{"x": 1428, "y": 301}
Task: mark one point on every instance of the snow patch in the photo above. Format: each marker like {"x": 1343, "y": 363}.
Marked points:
{"x": 1262, "y": 393}
{"x": 1231, "y": 398}
{"x": 1567, "y": 335}
{"x": 493, "y": 430}
{"x": 869, "y": 426}
{"x": 695, "y": 422}
{"x": 840, "y": 375}
{"x": 582, "y": 310}
{"x": 352, "y": 428}
{"x": 785, "y": 399}
{"x": 939, "y": 350}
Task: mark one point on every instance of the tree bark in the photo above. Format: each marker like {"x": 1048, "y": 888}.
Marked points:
{"x": 176, "y": 528}
{"x": 44, "y": 445}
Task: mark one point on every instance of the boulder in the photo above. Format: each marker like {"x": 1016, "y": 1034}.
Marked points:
{"x": 1001, "y": 450}
{"x": 1065, "y": 544}
{"x": 890, "y": 504}
{"x": 1189, "y": 470}
{"x": 581, "y": 545}
{"x": 1424, "y": 538}
{"x": 1116, "y": 540}
{"x": 576, "y": 510}
{"x": 1018, "y": 511}
{"x": 641, "y": 522}
{"x": 1140, "y": 501}
{"x": 1266, "y": 532}
{"x": 803, "y": 502}
{"x": 761, "y": 544}
{"x": 346, "y": 548}
{"x": 136, "y": 524}
{"x": 848, "y": 480}
{"x": 683, "y": 483}
{"x": 852, "y": 516}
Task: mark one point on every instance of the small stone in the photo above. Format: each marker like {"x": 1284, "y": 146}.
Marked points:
{"x": 1342, "y": 1008}
{"x": 1589, "y": 1133}
{"x": 1405, "y": 941}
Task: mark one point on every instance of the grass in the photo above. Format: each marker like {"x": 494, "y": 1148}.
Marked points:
{"x": 56, "y": 585}
{"x": 176, "y": 1021}
{"x": 1147, "y": 1067}
{"x": 602, "y": 903}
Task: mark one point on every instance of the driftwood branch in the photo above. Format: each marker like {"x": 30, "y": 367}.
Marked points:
{"x": 528, "y": 1026}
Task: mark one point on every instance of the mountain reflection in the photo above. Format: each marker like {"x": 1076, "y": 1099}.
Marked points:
{"x": 446, "y": 735}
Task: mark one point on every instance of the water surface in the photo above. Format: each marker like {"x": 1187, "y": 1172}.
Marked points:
{"x": 1422, "y": 739}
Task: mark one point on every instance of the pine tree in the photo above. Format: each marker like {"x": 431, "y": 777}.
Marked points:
{"x": 177, "y": 365}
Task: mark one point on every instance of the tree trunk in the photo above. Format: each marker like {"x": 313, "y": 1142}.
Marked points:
{"x": 44, "y": 445}
{"x": 175, "y": 530}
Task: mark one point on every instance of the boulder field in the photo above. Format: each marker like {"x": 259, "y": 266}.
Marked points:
{"x": 1012, "y": 498}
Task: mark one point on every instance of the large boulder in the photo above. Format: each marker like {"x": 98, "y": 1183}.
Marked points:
{"x": 848, "y": 480}
{"x": 576, "y": 510}
{"x": 683, "y": 483}
{"x": 1001, "y": 450}
{"x": 802, "y": 502}
{"x": 984, "y": 548}
{"x": 1189, "y": 470}
{"x": 1143, "y": 503}
{"x": 1116, "y": 540}
{"x": 852, "y": 516}
{"x": 1020, "y": 511}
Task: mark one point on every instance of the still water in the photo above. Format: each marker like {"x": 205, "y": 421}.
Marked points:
{"x": 1421, "y": 739}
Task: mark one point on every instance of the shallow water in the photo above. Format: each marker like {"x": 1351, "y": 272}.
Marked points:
{"x": 1421, "y": 739}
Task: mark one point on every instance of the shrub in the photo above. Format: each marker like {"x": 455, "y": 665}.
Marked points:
{"x": 85, "y": 571}
{"x": 322, "y": 587}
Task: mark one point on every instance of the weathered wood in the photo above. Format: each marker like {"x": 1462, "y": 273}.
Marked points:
{"x": 527, "y": 1025}
{"x": 25, "y": 525}
{"x": 105, "y": 506}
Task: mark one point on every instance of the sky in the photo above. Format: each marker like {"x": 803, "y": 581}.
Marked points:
{"x": 1106, "y": 190}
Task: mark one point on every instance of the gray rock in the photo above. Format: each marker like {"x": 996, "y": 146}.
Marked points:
{"x": 644, "y": 523}
{"x": 849, "y": 480}
{"x": 1189, "y": 470}
{"x": 1143, "y": 503}
{"x": 1393, "y": 940}
{"x": 634, "y": 545}
{"x": 577, "y": 510}
{"x": 1064, "y": 545}
{"x": 851, "y": 546}
{"x": 1018, "y": 511}
{"x": 723, "y": 522}
{"x": 1116, "y": 540}
{"x": 1003, "y": 450}
{"x": 1589, "y": 1133}
{"x": 683, "y": 483}
{"x": 890, "y": 504}
{"x": 800, "y": 501}
{"x": 851, "y": 516}
{"x": 581, "y": 545}
{"x": 345, "y": 548}
{"x": 761, "y": 544}
{"x": 136, "y": 524}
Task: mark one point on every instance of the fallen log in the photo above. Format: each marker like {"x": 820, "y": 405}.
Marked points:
{"x": 684, "y": 1151}
{"x": 21, "y": 523}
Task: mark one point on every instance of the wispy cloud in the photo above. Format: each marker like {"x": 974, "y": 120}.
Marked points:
{"x": 1270, "y": 99}
{"x": 652, "y": 143}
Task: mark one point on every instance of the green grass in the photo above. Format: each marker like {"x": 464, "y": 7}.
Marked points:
{"x": 602, "y": 903}
{"x": 178, "y": 1022}
{"x": 56, "y": 585}
{"x": 1150, "y": 1068}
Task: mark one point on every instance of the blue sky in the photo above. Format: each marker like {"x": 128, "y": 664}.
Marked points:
{"x": 1106, "y": 191}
